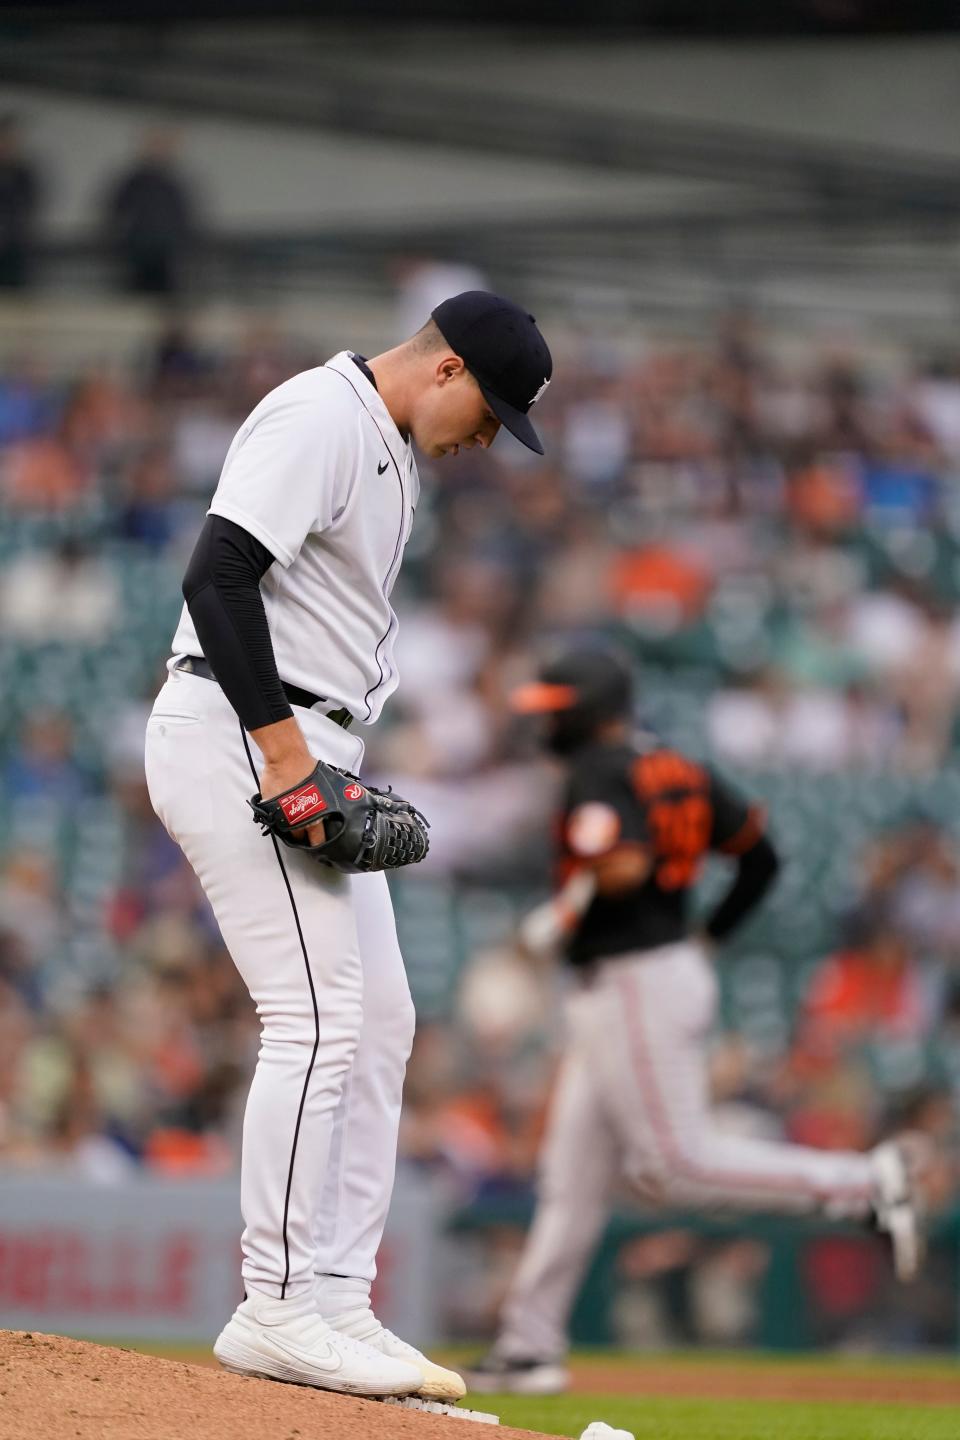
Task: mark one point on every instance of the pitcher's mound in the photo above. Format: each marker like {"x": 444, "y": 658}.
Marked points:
{"x": 57, "y": 1389}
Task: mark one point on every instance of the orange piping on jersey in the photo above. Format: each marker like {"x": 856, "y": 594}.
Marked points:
{"x": 681, "y": 834}
{"x": 666, "y": 770}
{"x": 747, "y": 836}
{"x": 675, "y": 794}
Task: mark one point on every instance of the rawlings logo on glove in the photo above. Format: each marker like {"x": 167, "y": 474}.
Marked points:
{"x": 366, "y": 829}
{"x": 303, "y": 804}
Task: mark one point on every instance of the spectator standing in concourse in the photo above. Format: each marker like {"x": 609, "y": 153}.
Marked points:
{"x": 20, "y": 191}
{"x": 151, "y": 219}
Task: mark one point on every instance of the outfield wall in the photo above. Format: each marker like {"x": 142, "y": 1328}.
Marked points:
{"x": 160, "y": 1260}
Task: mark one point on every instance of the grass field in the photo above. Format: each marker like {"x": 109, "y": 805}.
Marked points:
{"x": 736, "y": 1397}
{"x": 659, "y": 1418}
{"x": 706, "y": 1416}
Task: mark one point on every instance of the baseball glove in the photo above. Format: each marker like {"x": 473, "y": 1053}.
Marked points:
{"x": 366, "y": 829}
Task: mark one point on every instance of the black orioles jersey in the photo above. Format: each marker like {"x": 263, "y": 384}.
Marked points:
{"x": 677, "y": 810}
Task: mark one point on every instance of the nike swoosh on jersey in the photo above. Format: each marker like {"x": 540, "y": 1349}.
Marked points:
{"x": 381, "y": 468}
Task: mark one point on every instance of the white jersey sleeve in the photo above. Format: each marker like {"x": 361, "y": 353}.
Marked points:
{"x": 287, "y": 473}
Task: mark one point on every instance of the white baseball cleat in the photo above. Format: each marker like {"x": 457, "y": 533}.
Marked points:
{"x": 498, "y": 1374}
{"x": 898, "y": 1203}
{"x": 434, "y": 1382}
{"x": 288, "y": 1340}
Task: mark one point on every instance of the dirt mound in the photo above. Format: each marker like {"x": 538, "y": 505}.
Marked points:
{"x": 57, "y": 1389}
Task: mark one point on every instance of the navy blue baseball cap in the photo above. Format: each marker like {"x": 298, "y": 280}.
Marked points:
{"x": 505, "y": 353}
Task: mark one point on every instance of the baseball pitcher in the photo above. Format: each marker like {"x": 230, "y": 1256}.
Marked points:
{"x": 253, "y": 758}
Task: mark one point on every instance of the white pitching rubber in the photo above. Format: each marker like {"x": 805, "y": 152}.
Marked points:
{"x": 456, "y": 1412}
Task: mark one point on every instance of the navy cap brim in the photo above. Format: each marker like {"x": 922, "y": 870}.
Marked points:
{"x": 513, "y": 419}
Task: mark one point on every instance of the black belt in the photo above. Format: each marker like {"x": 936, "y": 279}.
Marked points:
{"x": 196, "y": 665}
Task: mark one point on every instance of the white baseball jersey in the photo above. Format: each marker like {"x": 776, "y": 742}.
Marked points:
{"x": 320, "y": 475}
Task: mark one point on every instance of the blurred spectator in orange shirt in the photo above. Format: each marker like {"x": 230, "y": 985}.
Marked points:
{"x": 871, "y": 987}
{"x": 824, "y": 495}
{"x": 42, "y": 474}
{"x": 660, "y": 586}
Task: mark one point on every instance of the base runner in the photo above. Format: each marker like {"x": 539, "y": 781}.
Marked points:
{"x": 632, "y": 1096}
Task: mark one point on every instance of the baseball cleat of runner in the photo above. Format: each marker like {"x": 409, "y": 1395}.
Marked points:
{"x": 898, "y": 1204}
{"x": 498, "y": 1374}
{"x": 436, "y": 1382}
{"x": 287, "y": 1340}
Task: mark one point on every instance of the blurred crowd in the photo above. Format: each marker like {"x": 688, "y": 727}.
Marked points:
{"x": 772, "y": 532}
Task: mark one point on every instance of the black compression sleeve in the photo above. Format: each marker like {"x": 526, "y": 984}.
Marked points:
{"x": 222, "y": 591}
{"x": 756, "y": 869}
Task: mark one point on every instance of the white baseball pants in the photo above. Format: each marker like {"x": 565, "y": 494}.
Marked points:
{"x": 632, "y": 1099}
{"x": 318, "y": 952}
